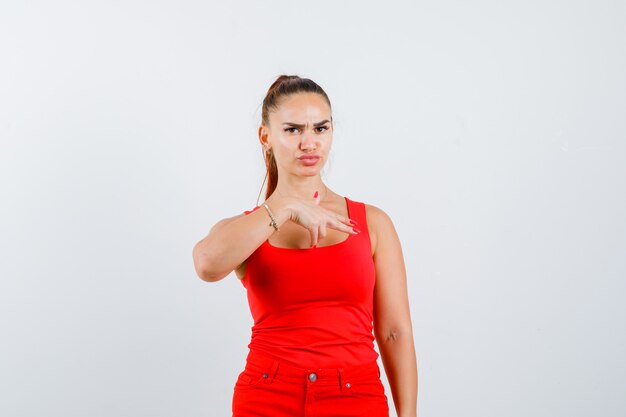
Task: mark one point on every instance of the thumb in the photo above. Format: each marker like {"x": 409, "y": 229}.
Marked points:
{"x": 316, "y": 197}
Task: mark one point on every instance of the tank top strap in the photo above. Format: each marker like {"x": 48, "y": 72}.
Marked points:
{"x": 358, "y": 213}
{"x": 250, "y": 211}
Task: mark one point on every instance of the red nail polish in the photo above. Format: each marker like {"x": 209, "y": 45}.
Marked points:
{"x": 353, "y": 222}
{"x": 356, "y": 230}
{"x": 315, "y": 195}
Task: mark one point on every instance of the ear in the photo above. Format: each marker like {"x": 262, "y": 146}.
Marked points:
{"x": 262, "y": 135}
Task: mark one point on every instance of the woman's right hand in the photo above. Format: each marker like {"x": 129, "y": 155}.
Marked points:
{"x": 317, "y": 219}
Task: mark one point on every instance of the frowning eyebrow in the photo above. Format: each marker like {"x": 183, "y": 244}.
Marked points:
{"x": 301, "y": 126}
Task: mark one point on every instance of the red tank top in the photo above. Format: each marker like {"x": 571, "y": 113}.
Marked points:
{"x": 314, "y": 307}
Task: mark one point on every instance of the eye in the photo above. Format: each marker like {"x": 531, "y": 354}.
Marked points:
{"x": 289, "y": 129}
{"x": 323, "y": 127}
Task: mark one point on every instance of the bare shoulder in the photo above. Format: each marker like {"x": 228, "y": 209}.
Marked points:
{"x": 379, "y": 224}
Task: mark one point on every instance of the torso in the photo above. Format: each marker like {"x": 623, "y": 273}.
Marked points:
{"x": 293, "y": 235}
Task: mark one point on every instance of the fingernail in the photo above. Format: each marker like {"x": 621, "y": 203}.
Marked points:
{"x": 356, "y": 230}
{"x": 353, "y": 222}
{"x": 315, "y": 195}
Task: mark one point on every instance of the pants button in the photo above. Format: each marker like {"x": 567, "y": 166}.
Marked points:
{"x": 312, "y": 377}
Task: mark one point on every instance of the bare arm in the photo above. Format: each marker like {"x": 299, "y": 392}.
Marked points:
{"x": 392, "y": 321}
{"x": 232, "y": 240}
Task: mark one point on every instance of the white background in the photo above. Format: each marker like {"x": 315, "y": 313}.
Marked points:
{"x": 492, "y": 132}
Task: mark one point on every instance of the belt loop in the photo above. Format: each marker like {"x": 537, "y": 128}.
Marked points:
{"x": 340, "y": 379}
{"x": 273, "y": 370}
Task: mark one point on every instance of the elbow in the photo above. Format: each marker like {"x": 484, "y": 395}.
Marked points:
{"x": 207, "y": 274}
{"x": 203, "y": 266}
{"x": 393, "y": 335}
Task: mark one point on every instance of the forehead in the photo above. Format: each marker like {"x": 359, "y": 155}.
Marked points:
{"x": 302, "y": 106}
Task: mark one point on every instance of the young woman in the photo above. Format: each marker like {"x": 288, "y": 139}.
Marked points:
{"x": 324, "y": 275}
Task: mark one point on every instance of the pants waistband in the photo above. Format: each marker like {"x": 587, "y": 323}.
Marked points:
{"x": 325, "y": 376}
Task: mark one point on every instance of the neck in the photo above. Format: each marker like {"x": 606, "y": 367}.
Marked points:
{"x": 303, "y": 188}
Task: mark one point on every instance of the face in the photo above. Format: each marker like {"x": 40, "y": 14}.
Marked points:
{"x": 300, "y": 127}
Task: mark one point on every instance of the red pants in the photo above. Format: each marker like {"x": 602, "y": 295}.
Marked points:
{"x": 271, "y": 388}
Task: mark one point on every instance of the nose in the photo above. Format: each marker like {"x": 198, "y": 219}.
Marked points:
{"x": 308, "y": 141}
